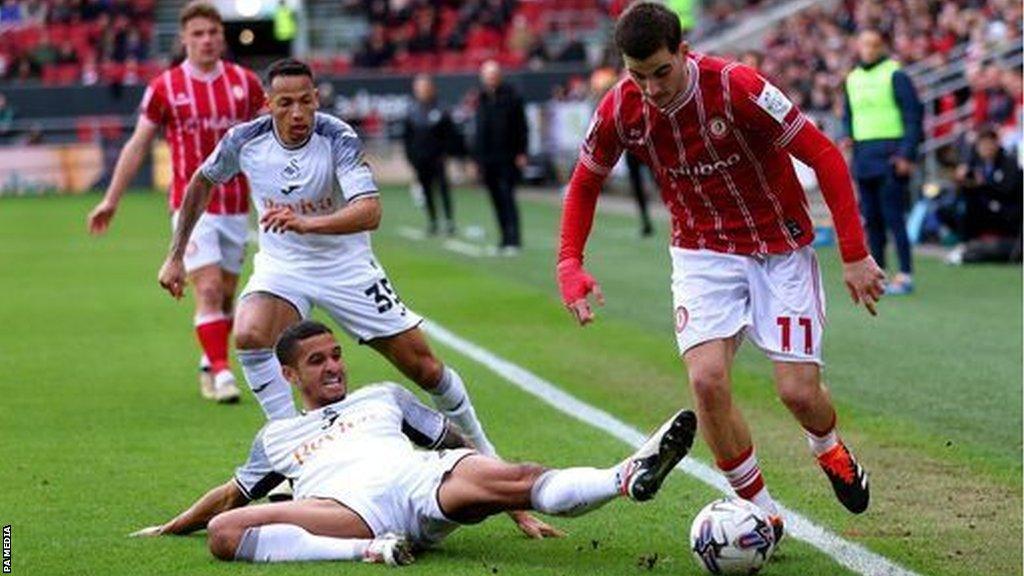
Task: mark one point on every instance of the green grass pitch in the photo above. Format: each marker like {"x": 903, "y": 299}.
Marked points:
{"x": 102, "y": 430}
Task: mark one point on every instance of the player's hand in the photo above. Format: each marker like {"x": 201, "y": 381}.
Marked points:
{"x": 283, "y": 219}
{"x": 148, "y": 532}
{"x": 172, "y": 277}
{"x": 533, "y": 527}
{"x": 521, "y": 161}
{"x": 576, "y": 284}
{"x": 100, "y": 217}
{"x": 865, "y": 281}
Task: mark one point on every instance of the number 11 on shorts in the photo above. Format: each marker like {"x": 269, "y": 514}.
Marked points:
{"x": 786, "y": 329}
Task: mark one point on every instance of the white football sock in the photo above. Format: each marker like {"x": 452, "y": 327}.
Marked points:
{"x": 263, "y": 374}
{"x": 291, "y": 543}
{"x": 451, "y": 398}
{"x": 574, "y": 491}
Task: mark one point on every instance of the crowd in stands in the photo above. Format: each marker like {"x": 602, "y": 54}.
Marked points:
{"x": 68, "y": 41}
{"x": 448, "y": 35}
{"x": 809, "y": 54}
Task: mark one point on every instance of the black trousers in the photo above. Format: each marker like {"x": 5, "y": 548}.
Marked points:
{"x": 636, "y": 181}
{"x": 432, "y": 176}
{"x": 883, "y": 202}
{"x": 500, "y": 179}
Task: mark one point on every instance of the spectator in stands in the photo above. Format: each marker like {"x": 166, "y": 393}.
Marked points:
{"x": 883, "y": 116}
{"x": 43, "y": 53}
{"x": 501, "y": 139}
{"x": 66, "y": 54}
{"x": 6, "y": 118}
{"x": 573, "y": 50}
{"x": 376, "y": 51}
{"x": 986, "y": 213}
{"x": 424, "y": 35}
{"x": 429, "y": 135}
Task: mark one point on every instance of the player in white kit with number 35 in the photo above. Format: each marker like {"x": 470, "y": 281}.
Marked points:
{"x": 317, "y": 203}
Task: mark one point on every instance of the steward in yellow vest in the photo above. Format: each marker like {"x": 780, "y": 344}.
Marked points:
{"x": 883, "y": 117}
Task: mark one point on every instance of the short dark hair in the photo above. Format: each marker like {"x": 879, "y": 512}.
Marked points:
{"x": 288, "y": 67}
{"x": 199, "y": 9}
{"x": 288, "y": 343}
{"x": 646, "y": 27}
{"x": 988, "y": 132}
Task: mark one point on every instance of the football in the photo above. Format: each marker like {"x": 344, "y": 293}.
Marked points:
{"x": 731, "y": 536}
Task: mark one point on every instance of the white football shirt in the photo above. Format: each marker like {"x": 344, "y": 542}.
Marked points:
{"x": 365, "y": 436}
{"x": 319, "y": 176}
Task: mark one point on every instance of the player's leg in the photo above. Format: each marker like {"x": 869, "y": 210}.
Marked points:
{"x": 789, "y": 322}
{"x": 303, "y": 530}
{"x": 259, "y": 320}
{"x": 802, "y": 391}
{"x": 213, "y": 329}
{"x": 410, "y": 352}
{"x": 722, "y": 424}
{"x": 481, "y": 486}
{"x": 711, "y": 293}
{"x": 203, "y": 258}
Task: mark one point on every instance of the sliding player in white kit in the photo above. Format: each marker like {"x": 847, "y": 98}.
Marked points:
{"x": 362, "y": 490}
{"x": 317, "y": 203}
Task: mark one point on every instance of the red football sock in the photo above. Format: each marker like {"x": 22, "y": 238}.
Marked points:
{"x": 213, "y": 332}
{"x": 744, "y": 476}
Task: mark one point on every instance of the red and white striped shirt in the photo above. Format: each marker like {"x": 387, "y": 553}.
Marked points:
{"x": 195, "y": 111}
{"x": 720, "y": 153}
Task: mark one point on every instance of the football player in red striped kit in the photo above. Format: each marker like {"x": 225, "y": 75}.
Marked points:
{"x": 718, "y": 138}
{"x": 195, "y": 104}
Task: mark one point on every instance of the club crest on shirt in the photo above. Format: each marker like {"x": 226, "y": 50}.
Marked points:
{"x": 181, "y": 100}
{"x": 292, "y": 170}
{"x": 238, "y": 92}
{"x": 718, "y": 128}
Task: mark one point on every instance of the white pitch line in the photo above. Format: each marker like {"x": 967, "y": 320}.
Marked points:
{"x": 451, "y": 244}
{"x": 848, "y": 554}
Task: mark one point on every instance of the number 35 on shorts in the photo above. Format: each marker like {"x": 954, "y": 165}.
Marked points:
{"x": 384, "y": 297}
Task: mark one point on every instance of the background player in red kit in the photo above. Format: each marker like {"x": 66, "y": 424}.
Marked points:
{"x": 718, "y": 138}
{"x": 196, "y": 103}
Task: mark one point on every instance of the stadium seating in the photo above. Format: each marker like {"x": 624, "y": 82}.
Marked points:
{"x": 95, "y": 33}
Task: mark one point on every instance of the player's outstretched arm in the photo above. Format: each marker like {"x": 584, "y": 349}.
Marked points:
{"x": 361, "y": 215}
{"x": 574, "y": 283}
{"x": 225, "y": 497}
{"x": 197, "y": 195}
{"x": 127, "y": 166}
{"x": 864, "y": 279}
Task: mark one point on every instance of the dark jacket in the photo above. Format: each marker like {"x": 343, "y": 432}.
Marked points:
{"x": 999, "y": 181}
{"x": 501, "y": 132}
{"x": 873, "y": 158}
{"x": 428, "y": 134}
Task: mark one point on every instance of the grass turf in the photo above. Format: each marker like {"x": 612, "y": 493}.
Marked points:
{"x": 103, "y": 431}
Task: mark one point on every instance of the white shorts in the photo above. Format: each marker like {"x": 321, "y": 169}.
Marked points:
{"x": 776, "y": 300}
{"x": 406, "y": 501}
{"x": 359, "y": 297}
{"x": 217, "y": 239}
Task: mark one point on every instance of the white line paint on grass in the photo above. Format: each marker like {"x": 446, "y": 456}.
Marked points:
{"x": 848, "y": 554}
{"x": 451, "y": 244}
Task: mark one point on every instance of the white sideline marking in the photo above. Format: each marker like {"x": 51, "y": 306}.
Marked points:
{"x": 451, "y": 244}
{"x": 848, "y": 554}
